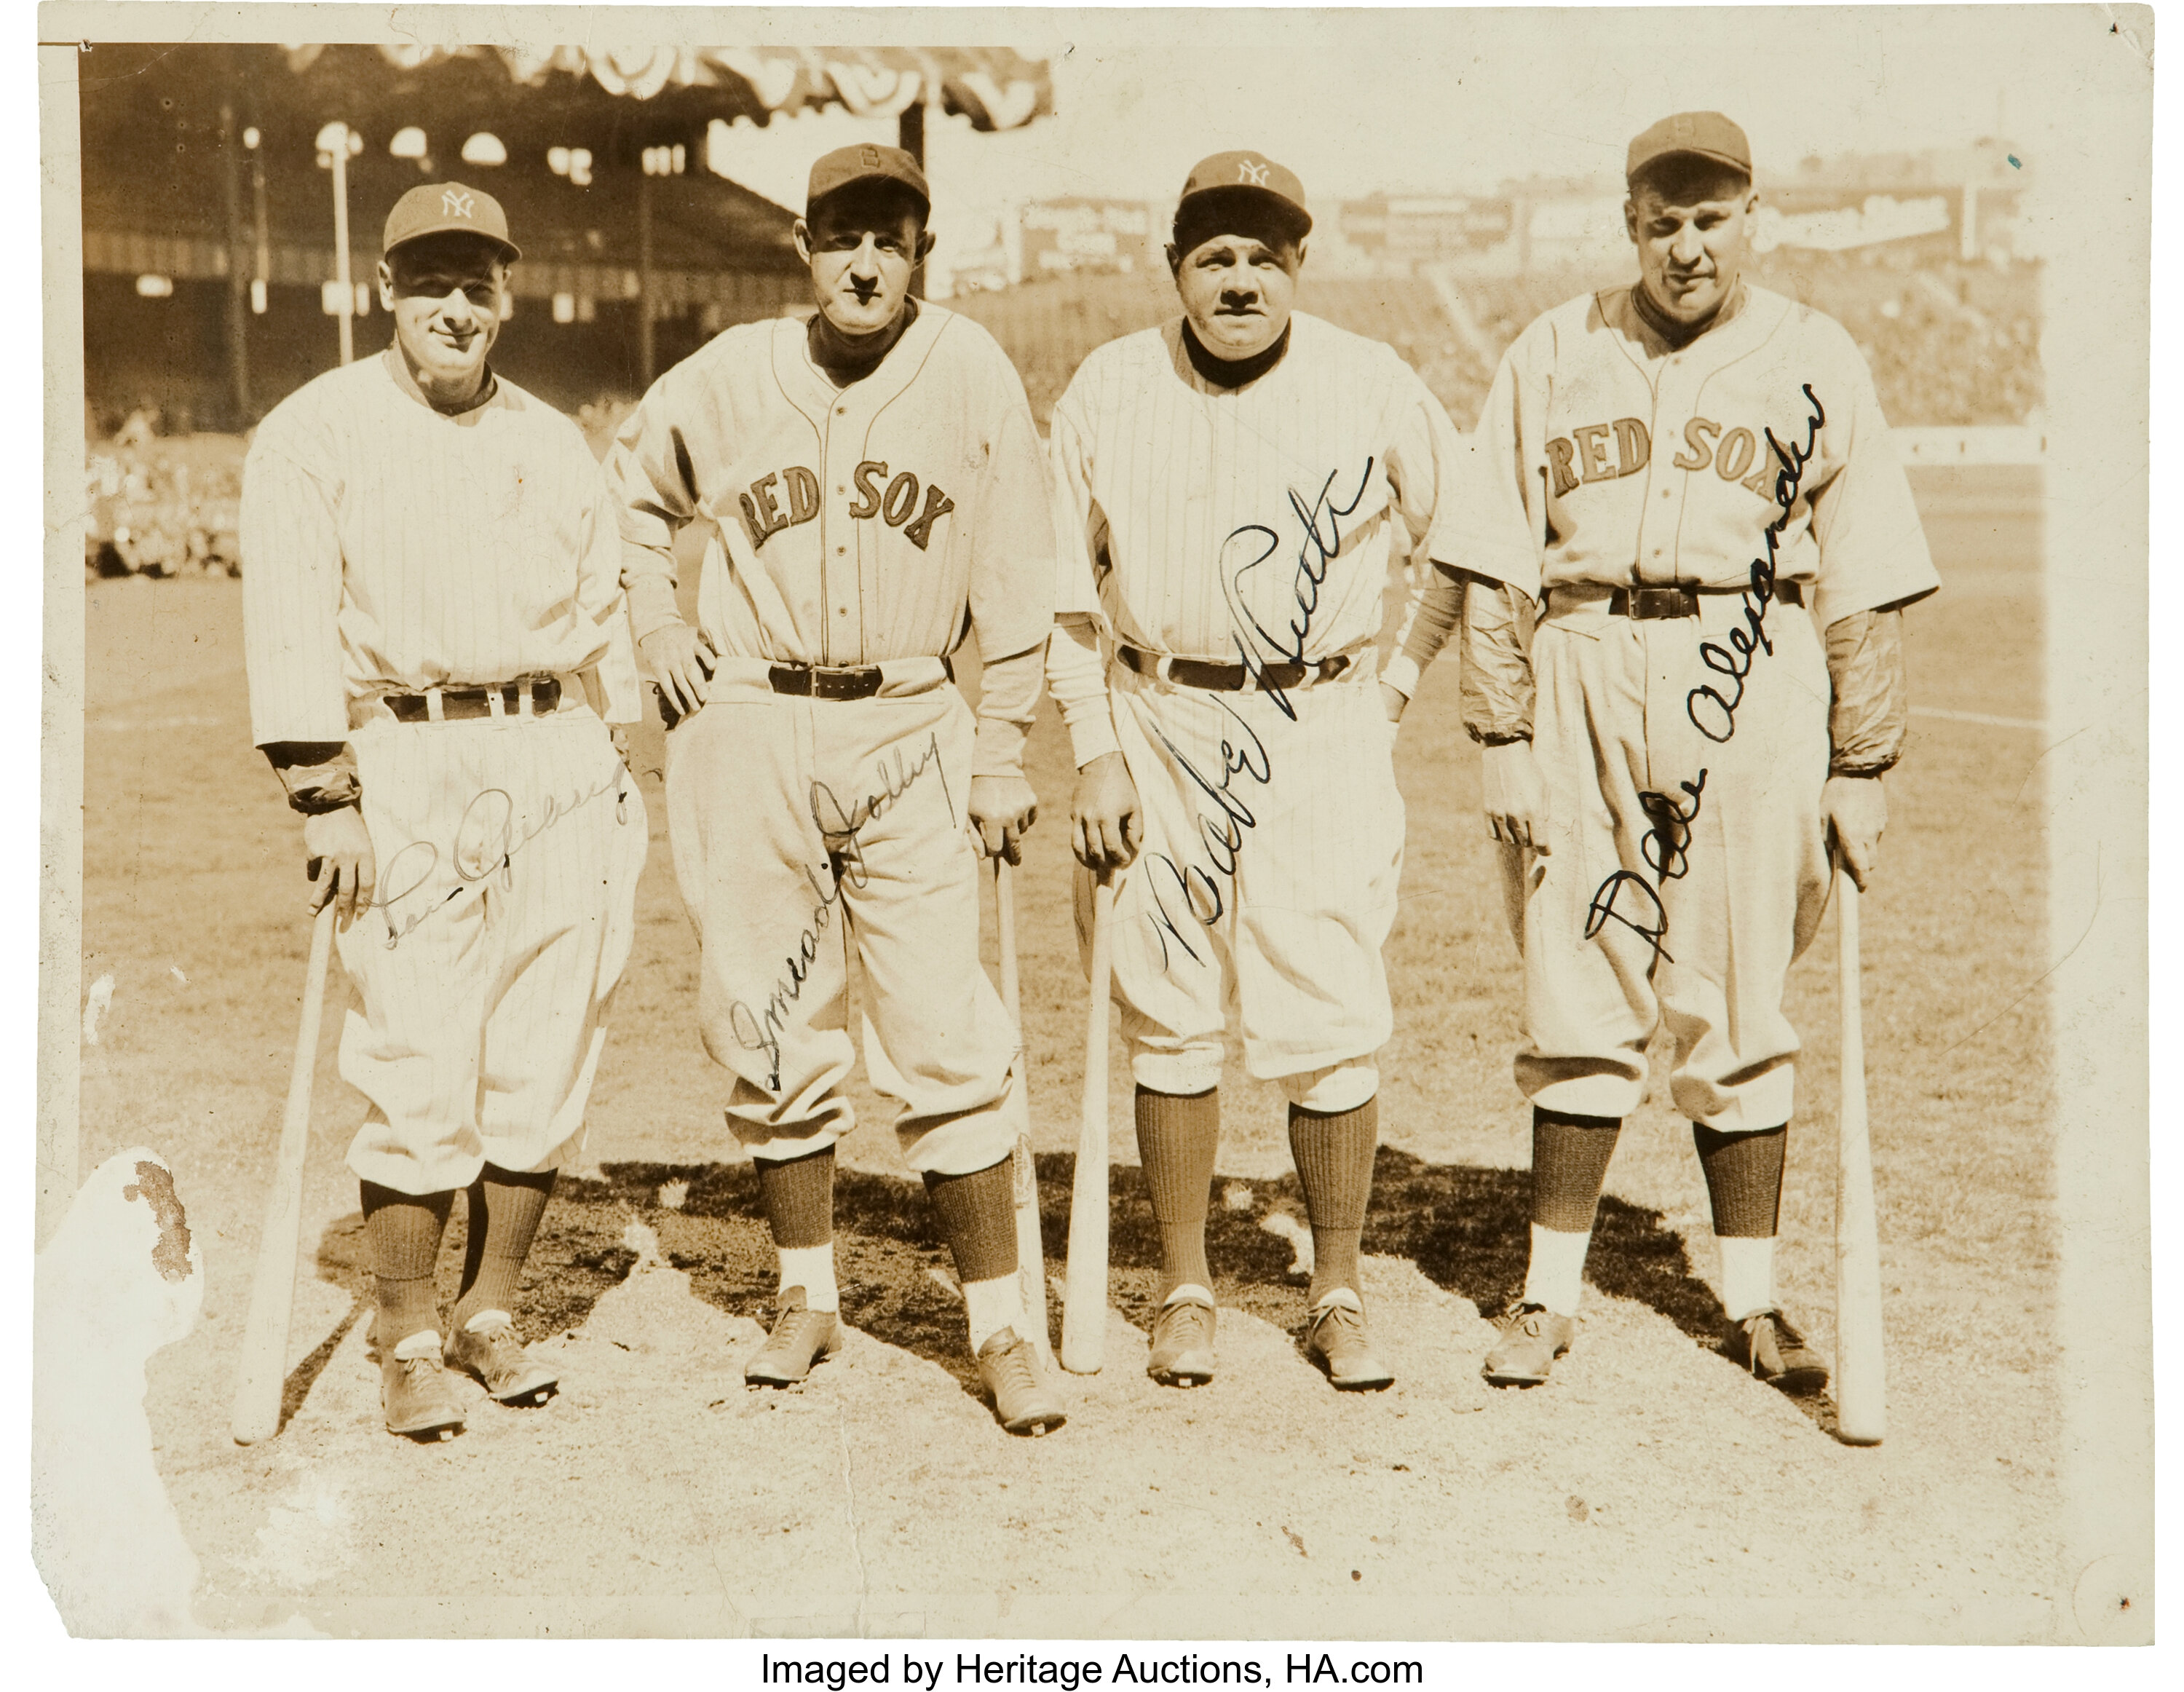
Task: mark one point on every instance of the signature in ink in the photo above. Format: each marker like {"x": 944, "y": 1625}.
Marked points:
{"x": 842, "y": 828}
{"x": 1322, "y": 540}
{"x": 1221, "y": 832}
{"x": 485, "y": 844}
{"x": 1667, "y": 846}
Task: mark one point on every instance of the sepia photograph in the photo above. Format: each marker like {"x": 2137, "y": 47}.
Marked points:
{"x": 1220, "y": 828}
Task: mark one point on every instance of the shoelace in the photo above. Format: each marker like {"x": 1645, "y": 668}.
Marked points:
{"x": 1013, "y": 1367}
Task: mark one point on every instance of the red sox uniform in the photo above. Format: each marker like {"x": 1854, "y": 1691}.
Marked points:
{"x": 865, "y": 530}
{"x": 401, "y": 563}
{"x": 1684, "y": 754}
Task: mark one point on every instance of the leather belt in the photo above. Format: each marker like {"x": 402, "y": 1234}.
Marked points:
{"x": 458, "y": 702}
{"x": 814, "y": 682}
{"x": 1231, "y": 678}
{"x": 1677, "y": 600}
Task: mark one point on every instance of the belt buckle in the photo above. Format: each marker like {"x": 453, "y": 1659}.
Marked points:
{"x": 1662, "y": 601}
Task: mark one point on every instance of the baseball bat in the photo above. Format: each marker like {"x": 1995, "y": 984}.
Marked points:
{"x": 1084, "y": 1291}
{"x": 1031, "y": 1251}
{"x": 1861, "y": 1385}
{"x": 273, "y": 1290}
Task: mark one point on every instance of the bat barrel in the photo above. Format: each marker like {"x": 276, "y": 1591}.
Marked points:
{"x": 1861, "y": 1387}
{"x": 1084, "y": 1302}
{"x": 1031, "y": 1250}
{"x": 259, "y": 1375}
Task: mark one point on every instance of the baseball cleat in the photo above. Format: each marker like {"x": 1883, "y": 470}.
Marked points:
{"x": 1182, "y": 1340}
{"x": 1769, "y": 1348}
{"x": 1334, "y": 1338}
{"x": 487, "y": 1347}
{"x": 1532, "y": 1338}
{"x": 1023, "y": 1398}
{"x": 416, "y": 1394}
{"x": 800, "y": 1338}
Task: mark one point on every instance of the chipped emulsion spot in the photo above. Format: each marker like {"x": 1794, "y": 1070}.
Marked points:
{"x": 96, "y": 1005}
{"x": 156, "y": 1187}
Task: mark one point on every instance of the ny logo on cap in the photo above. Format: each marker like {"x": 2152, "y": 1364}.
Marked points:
{"x": 1255, "y": 175}
{"x": 870, "y": 157}
{"x": 455, "y": 204}
{"x": 1682, "y": 127}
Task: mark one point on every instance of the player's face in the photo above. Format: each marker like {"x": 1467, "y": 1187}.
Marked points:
{"x": 1691, "y": 245}
{"x": 862, "y": 248}
{"x": 446, "y": 297}
{"x": 1237, "y": 291}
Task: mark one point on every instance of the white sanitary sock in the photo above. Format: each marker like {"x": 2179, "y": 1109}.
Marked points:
{"x": 1747, "y": 1276}
{"x": 993, "y": 1305}
{"x": 1557, "y": 1269}
{"x": 812, "y": 1268}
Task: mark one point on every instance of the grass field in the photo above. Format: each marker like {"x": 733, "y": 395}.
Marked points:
{"x": 1648, "y": 1491}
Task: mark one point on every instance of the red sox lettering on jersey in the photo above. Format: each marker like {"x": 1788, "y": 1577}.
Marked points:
{"x": 1602, "y": 451}
{"x": 764, "y": 517}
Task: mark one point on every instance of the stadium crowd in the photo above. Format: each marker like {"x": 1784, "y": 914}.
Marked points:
{"x": 1949, "y": 344}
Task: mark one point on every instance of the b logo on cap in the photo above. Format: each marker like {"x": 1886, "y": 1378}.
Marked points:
{"x": 1682, "y": 127}
{"x": 1255, "y": 175}
{"x": 870, "y": 157}
{"x": 453, "y": 204}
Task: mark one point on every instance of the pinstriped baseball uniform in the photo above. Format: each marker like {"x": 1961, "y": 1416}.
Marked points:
{"x": 1252, "y": 525}
{"x": 1620, "y": 460}
{"x": 874, "y": 524}
{"x": 390, "y": 549}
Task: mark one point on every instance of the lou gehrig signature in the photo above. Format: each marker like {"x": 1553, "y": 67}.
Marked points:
{"x": 485, "y": 845}
{"x": 841, "y": 827}
{"x": 1221, "y": 828}
{"x": 1666, "y": 849}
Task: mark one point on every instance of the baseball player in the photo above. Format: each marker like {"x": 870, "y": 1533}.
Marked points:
{"x": 1694, "y": 478}
{"x": 436, "y": 643}
{"x": 1227, "y": 488}
{"x": 872, "y": 490}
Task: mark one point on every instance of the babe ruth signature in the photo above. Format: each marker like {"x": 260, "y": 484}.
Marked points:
{"x": 1314, "y": 558}
{"x": 1201, "y": 887}
{"x": 484, "y": 845}
{"x": 1666, "y": 847}
{"x": 843, "y": 831}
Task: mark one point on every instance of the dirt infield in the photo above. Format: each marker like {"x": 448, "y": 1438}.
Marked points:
{"x": 1649, "y": 1491}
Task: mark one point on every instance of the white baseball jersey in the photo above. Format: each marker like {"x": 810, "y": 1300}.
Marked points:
{"x": 1620, "y": 460}
{"x": 870, "y": 525}
{"x": 850, "y": 526}
{"x": 1684, "y": 757}
{"x": 390, "y": 548}
{"x": 1202, "y": 522}
{"x": 1251, "y": 525}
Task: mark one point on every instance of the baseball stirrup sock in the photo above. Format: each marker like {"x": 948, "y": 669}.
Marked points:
{"x": 404, "y": 1231}
{"x": 1334, "y": 1155}
{"x": 1179, "y": 1133}
{"x": 504, "y": 1212}
{"x": 1744, "y": 1179}
{"x": 978, "y": 1217}
{"x": 1747, "y": 1275}
{"x": 797, "y": 1194}
{"x": 1569, "y": 1165}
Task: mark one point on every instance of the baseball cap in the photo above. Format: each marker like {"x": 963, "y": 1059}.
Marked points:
{"x": 1703, "y": 134}
{"x": 1247, "y": 170}
{"x": 864, "y": 163}
{"x": 437, "y": 208}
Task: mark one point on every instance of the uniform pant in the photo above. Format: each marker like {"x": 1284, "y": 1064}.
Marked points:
{"x": 802, "y": 826}
{"x": 1267, "y": 874}
{"x": 1691, "y": 915}
{"x": 507, "y": 855}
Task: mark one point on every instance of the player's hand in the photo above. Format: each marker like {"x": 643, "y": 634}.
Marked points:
{"x": 679, "y": 660}
{"x": 1392, "y": 701}
{"x": 1515, "y": 795}
{"x": 1104, "y": 823}
{"x": 1855, "y": 810}
{"x": 619, "y": 734}
{"x": 339, "y": 849}
{"x": 1003, "y": 809}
